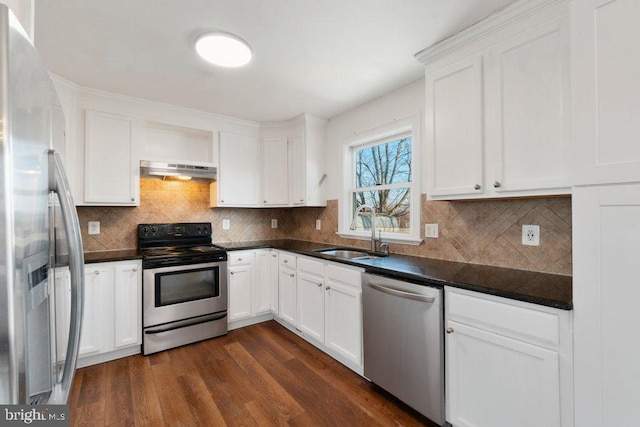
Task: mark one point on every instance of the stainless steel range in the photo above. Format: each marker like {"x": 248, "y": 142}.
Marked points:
{"x": 184, "y": 285}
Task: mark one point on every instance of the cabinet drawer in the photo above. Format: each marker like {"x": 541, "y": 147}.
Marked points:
{"x": 344, "y": 275}
{"x": 506, "y": 319}
{"x": 310, "y": 267}
{"x": 240, "y": 258}
{"x": 287, "y": 260}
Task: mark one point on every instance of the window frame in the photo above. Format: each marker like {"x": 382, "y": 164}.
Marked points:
{"x": 388, "y": 132}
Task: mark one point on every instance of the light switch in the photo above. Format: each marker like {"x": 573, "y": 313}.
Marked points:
{"x": 274, "y": 223}
{"x": 318, "y": 224}
{"x": 226, "y": 224}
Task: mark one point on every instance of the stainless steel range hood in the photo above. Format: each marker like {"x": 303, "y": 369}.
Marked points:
{"x": 150, "y": 168}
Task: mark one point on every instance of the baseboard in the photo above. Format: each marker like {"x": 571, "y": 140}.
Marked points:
{"x": 85, "y": 361}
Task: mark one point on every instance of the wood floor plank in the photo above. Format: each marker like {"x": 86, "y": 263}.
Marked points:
{"x": 89, "y": 415}
{"x": 93, "y": 385}
{"x": 144, "y": 397}
{"x": 203, "y": 408}
{"x": 264, "y": 382}
{"x": 175, "y": 409}
{"x": 259, "y": 375}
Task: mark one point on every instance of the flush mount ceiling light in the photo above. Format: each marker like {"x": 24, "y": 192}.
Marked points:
{"x": 223, "y": 49}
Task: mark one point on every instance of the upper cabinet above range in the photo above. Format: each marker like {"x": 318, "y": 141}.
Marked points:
{"x": 497, "y": 106}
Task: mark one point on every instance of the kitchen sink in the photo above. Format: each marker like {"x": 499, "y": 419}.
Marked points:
{"x": 346, "y": 253}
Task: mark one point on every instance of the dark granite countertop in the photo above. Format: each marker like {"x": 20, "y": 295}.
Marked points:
{"x": 109, "y": 256}
{"x": 550, "y": 290}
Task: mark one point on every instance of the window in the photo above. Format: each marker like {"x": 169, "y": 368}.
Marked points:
{"x": 382, "y": 175}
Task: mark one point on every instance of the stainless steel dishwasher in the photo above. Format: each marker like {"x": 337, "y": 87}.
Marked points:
{"x": 403, "y": 342}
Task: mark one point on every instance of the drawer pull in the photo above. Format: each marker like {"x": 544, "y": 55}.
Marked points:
{"x": 449, "y": 330}
{"x": 477, "y": 187}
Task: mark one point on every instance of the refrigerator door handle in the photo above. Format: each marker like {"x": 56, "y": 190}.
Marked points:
{"x": 58, "y": 184}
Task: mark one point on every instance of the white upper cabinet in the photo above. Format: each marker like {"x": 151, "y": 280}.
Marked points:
{"x": 238, "y": 178}
{"x": 605, "y": 91}
{"x": 307, "y": 162}
{"x": 454, "y": 129}
{"x": 111, "y": 174}
{"x": 275, "y": 176}
{"x": 497, "y": 106}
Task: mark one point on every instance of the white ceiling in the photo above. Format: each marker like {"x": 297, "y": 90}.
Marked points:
{"x": 322, "y": 57}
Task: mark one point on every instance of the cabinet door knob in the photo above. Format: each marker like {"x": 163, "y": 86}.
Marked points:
{"x": 134, "y": 269}
{"x": 285, "y": 261}
{"x": 319, "y": 284}
{"x": 274, "y": 255}
{"x": 477, "y": 187}
{"x": 133, "y": 200}
{"x": 449, "y": 330}
{"x": 327, "y": 288}
{"x": 497, "y": 184}
{"x": 97, "y": 272}
{"x": 221, "y": 200}
{"x": 239, "y": 259}
{"x": 302, "y": 200}
{"x": 264, "y": 201}
{"x": 231, "y": 273}
{"x": 292, "y": 275}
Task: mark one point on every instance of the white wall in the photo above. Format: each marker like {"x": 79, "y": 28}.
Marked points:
{"x": 400, "y": 103}
{"x": 23, "y": 9}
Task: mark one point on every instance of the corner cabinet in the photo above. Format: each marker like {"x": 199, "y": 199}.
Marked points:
{"x": 497, "y": 106}
{"x": 250, "y": 276}
{"x": 111, "y": 171}
{"x": 507, "y": 363}
{"x": 112, "y": 319}
{"x": 275, "y": 171}
{"x": 307, "y": 162}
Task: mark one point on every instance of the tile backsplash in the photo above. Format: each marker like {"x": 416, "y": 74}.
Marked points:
{"x": 482, "y": 232}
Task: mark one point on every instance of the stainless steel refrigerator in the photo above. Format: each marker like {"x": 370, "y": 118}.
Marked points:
{"x": 30, "y": 173}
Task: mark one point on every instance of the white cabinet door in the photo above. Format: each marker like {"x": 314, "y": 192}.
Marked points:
{"x": 298, "y": 180}
{"x": 605, "y": 91}
{"x": 127, "y": 293}
{"x": 454, "y": 128}
{"x": 287, "y": 295}
{"x": 238, "y": 181}
{"x": 111, "y": 176}
{"x": 275, "y": 176}
{"x": 343, "y": 300}
{"x": 527, "y": 114}
{"x": 311, "y": 306}
{"x": 97, "y": 325}
{"x": 240, "y": 283}
{"x": 499, "y": 382}
{"x": 262, "y": 283}
{"x": 273, "y": 281}
{"x": 605, "y": 297}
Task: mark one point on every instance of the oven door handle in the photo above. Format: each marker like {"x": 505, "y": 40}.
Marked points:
{"x": 188, "y": 322}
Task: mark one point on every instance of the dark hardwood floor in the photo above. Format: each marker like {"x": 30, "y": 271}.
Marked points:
{"x": 259, "y": 375}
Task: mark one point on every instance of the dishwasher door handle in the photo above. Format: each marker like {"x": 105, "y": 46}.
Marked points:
{"x": 402, "y": 294}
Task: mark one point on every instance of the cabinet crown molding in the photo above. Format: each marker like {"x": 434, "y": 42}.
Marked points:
{"x": 492, "y": 27}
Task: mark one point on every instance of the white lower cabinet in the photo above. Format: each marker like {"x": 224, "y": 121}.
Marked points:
{"x": 112, "y": 318}
{"x": 250, "y": 279}
{"x": 287, "y": 289}
{"x": 322, "y": 302}
{"x": 508, "y": 363}
{"x": 343, "y": 311}
{"x": 311, "y": 299}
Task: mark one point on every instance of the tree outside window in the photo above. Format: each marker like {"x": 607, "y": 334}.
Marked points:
{"x": 383, "y": 179}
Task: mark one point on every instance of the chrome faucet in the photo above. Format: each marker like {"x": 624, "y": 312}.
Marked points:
{"x": 373, "y": 226}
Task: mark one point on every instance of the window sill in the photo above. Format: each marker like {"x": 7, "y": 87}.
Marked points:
{"x": 409, "y": 240}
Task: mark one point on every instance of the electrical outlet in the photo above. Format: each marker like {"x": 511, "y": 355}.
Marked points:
{"x": 226, "y": 224}
{"x": 531, "y": 235}
{"x": 94, "y": 227}
{"x": 431, "y": 230}
{"x": 318, "y": 224}
{"x": 274, "y": 223}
